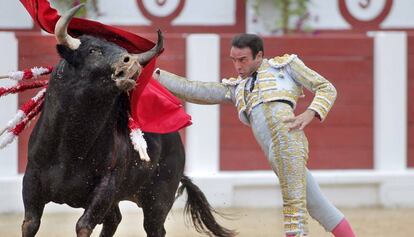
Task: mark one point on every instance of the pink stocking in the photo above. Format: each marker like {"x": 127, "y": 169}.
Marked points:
{"x": 343, "y": 229}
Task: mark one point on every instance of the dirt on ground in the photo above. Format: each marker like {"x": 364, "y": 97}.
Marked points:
{"x": 249, "y": 222}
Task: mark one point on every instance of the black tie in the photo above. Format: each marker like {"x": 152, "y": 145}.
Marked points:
{"x": 254, "y": 77}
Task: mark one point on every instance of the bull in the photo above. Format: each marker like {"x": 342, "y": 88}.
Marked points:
{"x": 80, "y": 153}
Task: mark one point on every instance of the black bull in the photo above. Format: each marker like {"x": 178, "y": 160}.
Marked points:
{"x": 80, "y": 152}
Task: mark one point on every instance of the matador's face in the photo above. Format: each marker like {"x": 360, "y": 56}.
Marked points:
{"x": 243, "y": 61}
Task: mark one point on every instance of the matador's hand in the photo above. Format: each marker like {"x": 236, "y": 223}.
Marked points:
{"x": 156, "y": 73}
{"x": 300, "y": 121}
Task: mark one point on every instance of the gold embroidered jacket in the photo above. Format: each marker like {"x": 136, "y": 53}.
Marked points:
{"x": 280, "y": 78}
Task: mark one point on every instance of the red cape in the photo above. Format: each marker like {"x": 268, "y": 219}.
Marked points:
{"x": 153, "y": 107}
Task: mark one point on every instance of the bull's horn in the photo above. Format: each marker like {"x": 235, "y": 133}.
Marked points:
{"x": 61, "y": 29}
{"x": 145, "y": 57}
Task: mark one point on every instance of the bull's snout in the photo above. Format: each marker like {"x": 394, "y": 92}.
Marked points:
{"x": 125, "y": 84}
{"x": 126, "y": 71}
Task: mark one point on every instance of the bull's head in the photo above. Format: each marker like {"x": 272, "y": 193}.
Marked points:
{"x": 100, "y": 58}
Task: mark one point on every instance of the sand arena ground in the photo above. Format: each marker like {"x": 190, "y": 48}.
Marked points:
{"x": 367, "y": 222}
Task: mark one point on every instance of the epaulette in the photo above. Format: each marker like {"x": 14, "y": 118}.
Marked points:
{"x": 281, "y": 61}
{"x": 232, "y": 81}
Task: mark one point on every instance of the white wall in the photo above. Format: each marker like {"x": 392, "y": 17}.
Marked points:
{"x": 14, "y": 16}
{"x": 10, "y": 181}
{"x": 325, "y": 15}
{"x": 8, "y": 104}
{"x": 195, "y": 12}
{"x": 203, "y": 137}
{"x": 390, "y": 100}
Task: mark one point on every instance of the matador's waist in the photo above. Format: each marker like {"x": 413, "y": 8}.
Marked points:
{"x": 247, "y": 106}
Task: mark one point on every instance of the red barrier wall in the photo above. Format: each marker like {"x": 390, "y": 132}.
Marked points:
{"x": 34, "y": 50}
{"x": 343, "y": 141}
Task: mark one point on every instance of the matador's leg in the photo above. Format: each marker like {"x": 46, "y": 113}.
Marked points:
{"x": 287, "y": 153}
{"x": 318, "y": 206}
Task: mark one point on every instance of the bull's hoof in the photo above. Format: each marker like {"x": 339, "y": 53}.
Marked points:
{"x": 30, "y": 227}
{"x": 84, "y": 232}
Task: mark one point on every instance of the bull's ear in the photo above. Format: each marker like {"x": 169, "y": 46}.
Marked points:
{"x": 66, "y": 53}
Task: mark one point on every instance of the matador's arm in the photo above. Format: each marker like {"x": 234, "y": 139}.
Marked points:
{"x": 193, "y": 91}
{"x": 325, "y": 92}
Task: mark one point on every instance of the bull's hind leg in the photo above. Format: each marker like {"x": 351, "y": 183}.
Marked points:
{"x": 157, "y": 200}
{"x": 111, "y": 222}
{"x": 33, "y": 204}
{"x": 158, "y": 195}
{"x": 156, "y": 204}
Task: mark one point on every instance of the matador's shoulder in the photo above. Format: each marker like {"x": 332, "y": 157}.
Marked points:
{"x": 281, "y": 61}
{"x": 231, "y": 81}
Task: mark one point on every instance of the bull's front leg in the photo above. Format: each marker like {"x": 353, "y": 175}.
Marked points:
{"x": 102, "y": 201}
{"x": 111, "y": 221}
{"x": 34, "y": 202}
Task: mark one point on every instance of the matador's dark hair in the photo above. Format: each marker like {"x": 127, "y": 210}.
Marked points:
{"x": 252, "y": 41}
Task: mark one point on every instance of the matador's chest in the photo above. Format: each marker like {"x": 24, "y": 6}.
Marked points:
{"x": 270, "y": 84}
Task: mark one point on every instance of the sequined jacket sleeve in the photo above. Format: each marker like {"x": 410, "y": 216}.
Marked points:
{"x": 194, "y": 91}
{"x": 325, "y": 92}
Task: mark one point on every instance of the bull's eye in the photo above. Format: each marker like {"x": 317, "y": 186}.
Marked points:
{"x": 95, "y": 51}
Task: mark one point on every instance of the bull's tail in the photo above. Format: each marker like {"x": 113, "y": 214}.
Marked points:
{"x": 200, "y": 212}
